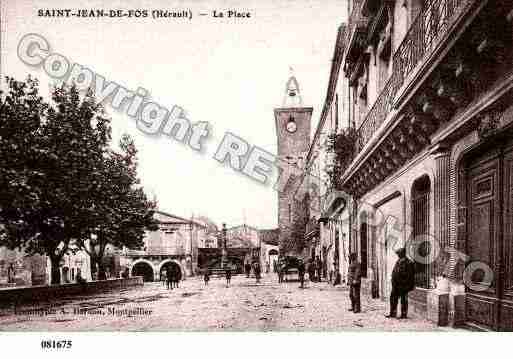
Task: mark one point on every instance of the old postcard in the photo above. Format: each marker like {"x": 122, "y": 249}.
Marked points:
{"x": 256, "y": 166}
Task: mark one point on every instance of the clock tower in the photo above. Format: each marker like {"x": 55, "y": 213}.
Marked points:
{"x": 293, "y": 127}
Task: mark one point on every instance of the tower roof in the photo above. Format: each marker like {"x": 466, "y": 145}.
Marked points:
{"x": 292, "y": 96}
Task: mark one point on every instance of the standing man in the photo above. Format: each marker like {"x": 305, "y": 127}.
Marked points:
{"x": 228, "y": 275}
{"x": 257, "y": 270}
{"x": 169, "y": 277}
{"x": 247, "y": 269}
{"x": 206, "y": 276}
{"x": 177, "y": 276}
{"x": 330, "y": 275}
{"x": 311, "y": 270}
{"x": 403, "y": 281}
{"x": 318, "y": 266}
{"x": 163, "y": 278}
{"x": 301, "y": 273}
{"x": 336, "y": 275}
{"x": 354, "y": 281}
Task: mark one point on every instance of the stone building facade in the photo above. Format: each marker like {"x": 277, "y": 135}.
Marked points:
{"x": 19, "y": 269}
{"x": 327, "y": 235}
{"x": 175, "y": 243}
{"x": 428, "y": 86}
{"x": 242, "y": 236}
{"x": 269, "y": 249}
{"x": 16, "y": 269}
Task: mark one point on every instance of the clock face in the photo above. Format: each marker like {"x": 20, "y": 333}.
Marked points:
{"x": 291, "y": 126}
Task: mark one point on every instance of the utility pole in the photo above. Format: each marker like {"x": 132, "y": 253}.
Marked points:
{"x": 191, "y": 234}
{"x": 224, "y": 252}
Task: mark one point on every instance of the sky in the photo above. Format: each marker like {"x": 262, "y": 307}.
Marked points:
{"x": 229, "y": 72}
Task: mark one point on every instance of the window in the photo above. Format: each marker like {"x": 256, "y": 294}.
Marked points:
{"x": 384, "y": 52}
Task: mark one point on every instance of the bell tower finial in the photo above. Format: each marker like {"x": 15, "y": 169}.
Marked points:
{"x": 292, "y": 96}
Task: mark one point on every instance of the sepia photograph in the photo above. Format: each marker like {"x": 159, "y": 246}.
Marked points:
{"x": 266, "y": 166}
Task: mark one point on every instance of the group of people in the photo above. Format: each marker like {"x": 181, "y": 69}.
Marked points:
{"x": 172, "y": 278}
{"x": 315, "y": 270}
{"x": 257, "y": 270}
{"x": 403, "y": 281}
{"x": 227, "y": 275}
{"x": 313, "y": 267}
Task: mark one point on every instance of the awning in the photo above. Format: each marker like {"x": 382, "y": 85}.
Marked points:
{"x": 312, "y": 234}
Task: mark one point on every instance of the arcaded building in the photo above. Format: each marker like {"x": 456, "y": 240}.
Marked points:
{"x": 174, "y": 244}
{"x": 427, "y": 85}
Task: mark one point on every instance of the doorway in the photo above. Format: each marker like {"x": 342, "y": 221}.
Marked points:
{"x": 143, "y": 269}
{"x": 488, "y": 195}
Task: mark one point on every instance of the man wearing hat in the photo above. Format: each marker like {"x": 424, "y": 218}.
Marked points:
{"x": 354, "y": 279}
{"x": 301, "y": 272}
{"x": 403, "y": 281}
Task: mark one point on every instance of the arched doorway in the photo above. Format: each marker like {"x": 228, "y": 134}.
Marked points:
{"x": 143, "y": 269}
{"x": 273, "y": 259}
{"x": 65, "y": 275}
{"x": 172, "y": 265}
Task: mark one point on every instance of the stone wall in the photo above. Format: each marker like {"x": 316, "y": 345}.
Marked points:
{"x": 21, "y": 295}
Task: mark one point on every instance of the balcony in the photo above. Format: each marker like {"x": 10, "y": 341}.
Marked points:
{"x": 370, "y": 6}
{"x": 159, "y": 251}
{"x": 377, "y": 113}
{"x": 356, "y": 34}
{"x": 426, "y": 33}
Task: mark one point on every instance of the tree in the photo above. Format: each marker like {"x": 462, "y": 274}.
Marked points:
{"x": 299, "y": 222}
{"x": 292, "y": 237}
{"x": 344, "y": 147}
{"x": 122, "y": 211}
{"x": 21, "y": 113}
{"x": 50, "y": 157}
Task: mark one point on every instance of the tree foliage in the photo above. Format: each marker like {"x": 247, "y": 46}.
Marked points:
{"x": 344, "y": 146}
{"x": 122, "y": 211}
{"x": 59, "y": 176}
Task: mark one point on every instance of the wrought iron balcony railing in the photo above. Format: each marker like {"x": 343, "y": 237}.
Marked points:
{"x": 356, "y": 27}
{"x": 423, "y": 35}
{"x": 421, "y": 39}
{"x": 378, "y": 112}
{"x": 158, "y": 250}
